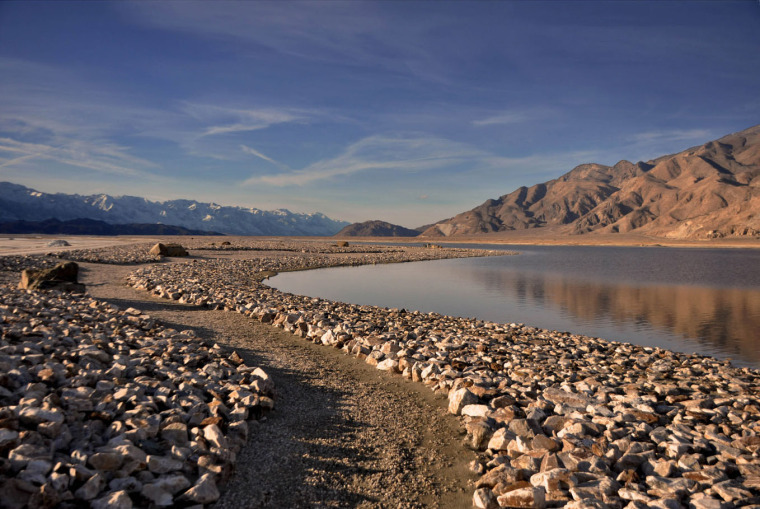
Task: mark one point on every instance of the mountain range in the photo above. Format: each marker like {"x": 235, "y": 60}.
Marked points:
{"x": 708, "y": 191}
{"x": 18, "y": 202}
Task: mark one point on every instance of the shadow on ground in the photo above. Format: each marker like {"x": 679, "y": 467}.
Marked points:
{"x": 303, "y": 454}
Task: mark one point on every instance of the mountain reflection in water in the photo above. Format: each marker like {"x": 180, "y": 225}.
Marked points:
{"x": 689, "y": 300}
{"x": 725, "y": 321}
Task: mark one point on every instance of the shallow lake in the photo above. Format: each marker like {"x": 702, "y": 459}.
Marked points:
{"x": 689, "y": 300}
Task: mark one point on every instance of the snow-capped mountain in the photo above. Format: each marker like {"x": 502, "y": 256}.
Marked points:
{"x": 18, "y": 202}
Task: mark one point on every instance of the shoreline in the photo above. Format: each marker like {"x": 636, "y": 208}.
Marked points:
{"x": 579, "y": 240}
{"x": 535, "y": 402}
{"x": 556, "y": 419}
{"x": 35, "y": 244}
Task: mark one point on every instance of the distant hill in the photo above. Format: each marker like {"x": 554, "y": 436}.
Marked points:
{"x": 376, "y": 229}
{"x": 93, "y": 227}
{"x": 708, "y": 191}
{"x": 19, "y": 203}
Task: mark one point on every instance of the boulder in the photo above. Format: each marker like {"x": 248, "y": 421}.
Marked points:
{"x": 459, "y": 399}
{"x": 62, "y": 277}
{"x": 168, "y": 250}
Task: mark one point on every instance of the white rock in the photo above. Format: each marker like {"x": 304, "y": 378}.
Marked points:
{"x": 500, "y": 440}
{"x": 204, "y": 491}
{"x": 163, "y": 464}
{"x": 388, "y": 365}
{"x": 214, "y": 435}
{"x": 115, "y": 500}
{"x": 475, "y": 410}
{"x": 483, "y": 498}
{"x": 460, "y": 398}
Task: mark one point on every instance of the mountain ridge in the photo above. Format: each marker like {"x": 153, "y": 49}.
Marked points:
{"x": 18, "y": 202}
{"x": 376, "y": 228}
{"x": 706, "y": 191}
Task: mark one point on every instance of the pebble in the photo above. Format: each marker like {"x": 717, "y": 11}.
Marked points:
{"x": 98, "y": 406}
{"x": 558, "y": 419}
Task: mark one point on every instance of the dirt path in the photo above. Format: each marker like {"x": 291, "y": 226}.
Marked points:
{"x": 342, "y": 434}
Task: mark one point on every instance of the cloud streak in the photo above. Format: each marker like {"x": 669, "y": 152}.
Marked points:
{"x": 377, "y": 153}
{"x": 219, "y": 120}
{"x": 504, "y": 118}
{"x": 414, "y": 154}
{"x": 256, "y": 153}
{"x": 49, "y": 113}
{"x": 511, "y": 117}
{"x": 354, "y": 33}
{"x": 671, "y": 135}
{"x": 99, "y": 158}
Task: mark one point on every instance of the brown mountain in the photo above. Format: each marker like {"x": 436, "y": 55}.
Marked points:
{"x": 708, "y": 191}
{"x": 376, "y": 229}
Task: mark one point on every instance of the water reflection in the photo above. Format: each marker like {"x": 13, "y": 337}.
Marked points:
{"x": 704, "y": 301}
{"x": 725, "y": 321}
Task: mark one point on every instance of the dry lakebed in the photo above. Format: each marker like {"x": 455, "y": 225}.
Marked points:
{"x": 188, "y": 382}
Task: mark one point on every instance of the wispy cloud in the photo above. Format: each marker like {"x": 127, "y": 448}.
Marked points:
{"x": 518, "y": 116}
{"x": 225, "y": 120}
{"x": 672, "y": 135}
{"x": 378, "y": 153}
{"x": 100, "y": 158}
{"x": 51, "y": 113}
{"x": 344, "y": 33}
{"x": 16, "y": 160}
{"x": 413, "y": 154}
{"x": 254, "y": 152}
{"x": 503, "y": 118}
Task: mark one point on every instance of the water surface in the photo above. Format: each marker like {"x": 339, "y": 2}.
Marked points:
{"x": 690, "y": 300}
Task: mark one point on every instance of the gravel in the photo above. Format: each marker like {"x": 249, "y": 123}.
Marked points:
{"x": 342, "y": 434}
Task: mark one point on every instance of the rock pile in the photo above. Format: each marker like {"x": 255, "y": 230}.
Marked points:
{"x": 17, "y": 263}
{"x": 558, "y": 420}
{"x": 105, "y": 408}
{"x": 116, "y": 255}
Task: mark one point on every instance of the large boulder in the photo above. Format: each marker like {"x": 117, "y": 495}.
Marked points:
{"x": 168, "y": 250}
{"x": 62, "y": 277}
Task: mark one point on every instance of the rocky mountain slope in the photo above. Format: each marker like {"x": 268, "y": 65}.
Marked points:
{"x": 376, "y": 229}
{"x": 22, "y": 203}
{"x": 712, "y": 190}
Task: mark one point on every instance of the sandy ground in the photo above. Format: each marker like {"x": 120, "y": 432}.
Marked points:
{"x": 342, "y": 433}
{"x": 38, "y": 244}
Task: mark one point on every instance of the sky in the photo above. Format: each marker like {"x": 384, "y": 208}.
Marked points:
{"x": 408, "y": 112}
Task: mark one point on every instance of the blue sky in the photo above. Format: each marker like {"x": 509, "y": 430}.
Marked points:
{"x": 409, "y": 112}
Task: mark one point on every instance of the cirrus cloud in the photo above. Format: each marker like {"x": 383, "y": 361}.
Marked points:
{"x": 378, "y": 152}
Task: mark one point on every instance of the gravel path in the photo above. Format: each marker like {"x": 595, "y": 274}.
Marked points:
{"x": 342, "y": 433}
